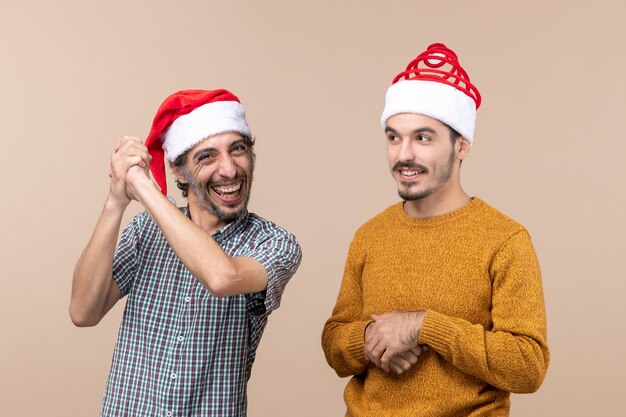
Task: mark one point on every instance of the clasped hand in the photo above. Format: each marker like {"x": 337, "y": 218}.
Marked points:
{"x": 130, "y": 161}
{"x": 391, "y": 340}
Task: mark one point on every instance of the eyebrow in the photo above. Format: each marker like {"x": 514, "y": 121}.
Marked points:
{"x": 237, "y": 142}
{"x": 202, "y": 152}
{"x": 415, "y": 132}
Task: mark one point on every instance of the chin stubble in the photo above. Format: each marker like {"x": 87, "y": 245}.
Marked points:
{"x": 202, "y": 196}
{"x": 442, "y": 177}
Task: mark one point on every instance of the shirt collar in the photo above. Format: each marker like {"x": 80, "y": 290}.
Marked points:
{"x": 231, "y": 229}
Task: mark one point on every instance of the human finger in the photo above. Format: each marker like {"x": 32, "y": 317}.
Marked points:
{"x": 125, "y": 139}
{"x": 375, "y": 352}
{"x": 132, "y": 151}
{"x": 130, "y": 138}
{"x": 419, "y": 349}
{"x": 375, "y": 348}
{"x": 396, "y": 369}
{"x": 372, "y": 336}
{"x": 385, "y": 359}
{"x": 134, "y": 147}
{"x": 399, "y": 364}
{"x": 410, "y": 356}
{"x": 131, "y": 161}
{"x": 375, "y": 344}
{"x": 118, "y": 145}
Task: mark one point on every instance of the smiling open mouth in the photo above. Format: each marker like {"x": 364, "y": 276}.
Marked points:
{"x": 228, "y": 192}
{"x": 411, "y": 173}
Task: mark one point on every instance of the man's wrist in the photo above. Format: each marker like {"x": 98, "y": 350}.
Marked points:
{"x": 367, "y": 327}
{"x": 114, "y": 205}
{"x": 418, "y": 317}
{"x": 140, "y": 184}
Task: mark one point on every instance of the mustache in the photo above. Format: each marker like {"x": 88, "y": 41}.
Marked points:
{"x": 239, "y": 176}
{"x": 411, "y": 165}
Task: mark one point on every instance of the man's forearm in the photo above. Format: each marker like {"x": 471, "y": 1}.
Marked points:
{"x": 342, "y": 343}
{"x": 221, "y": 274}
{"x": 92, "y": 283}
{"x": 515, "y": 362}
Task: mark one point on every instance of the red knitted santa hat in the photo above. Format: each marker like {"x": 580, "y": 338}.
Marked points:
{"x": 188, "y": 117}
{"x": 434, "y": 84}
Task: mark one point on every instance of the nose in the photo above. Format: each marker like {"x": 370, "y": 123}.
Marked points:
{"x": 406, "y": 152}
{"x": 227, "y": 168}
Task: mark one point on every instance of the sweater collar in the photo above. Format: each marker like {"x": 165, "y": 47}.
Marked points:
{"x": 436, "y": 220}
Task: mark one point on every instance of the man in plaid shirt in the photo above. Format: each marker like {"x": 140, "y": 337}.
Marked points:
{"x": 201, "y": 280}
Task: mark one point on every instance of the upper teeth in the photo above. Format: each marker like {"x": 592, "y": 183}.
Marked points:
{"x": 228, "y": 189}
{"x": 408, "y": 173}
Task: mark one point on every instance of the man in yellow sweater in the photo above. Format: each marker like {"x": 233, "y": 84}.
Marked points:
{"x": 441, "y": 310}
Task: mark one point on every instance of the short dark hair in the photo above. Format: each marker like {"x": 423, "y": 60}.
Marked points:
{"x": 180, "y": 163}
{"x": 454, "y": 135}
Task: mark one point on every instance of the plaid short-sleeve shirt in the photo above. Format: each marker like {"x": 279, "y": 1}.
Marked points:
{"x": 181, "y": 351}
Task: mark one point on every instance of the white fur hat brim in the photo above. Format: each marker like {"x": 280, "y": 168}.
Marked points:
{"x": 204, "y": 121}
{"x": 433, "y": 99}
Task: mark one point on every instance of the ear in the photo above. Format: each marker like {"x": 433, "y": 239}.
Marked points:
{"x": 462, "y": 148}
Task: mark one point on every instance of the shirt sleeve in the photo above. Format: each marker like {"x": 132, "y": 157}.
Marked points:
{"x": 125, "y": 259}
{"x": 344, "y": 332}
{"x": 280, "y": 255}
{"x": 513, "y": 354}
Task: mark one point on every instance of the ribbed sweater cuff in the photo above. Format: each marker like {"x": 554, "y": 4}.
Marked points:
{"x": 356, "y": 340}
{"x": 438, "y": 331}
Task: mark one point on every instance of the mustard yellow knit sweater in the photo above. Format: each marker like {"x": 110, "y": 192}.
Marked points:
{"x": 475, "y": 273}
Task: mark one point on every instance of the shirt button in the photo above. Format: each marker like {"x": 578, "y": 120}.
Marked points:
{"x": 173, "y": 375}
{"x": 181, "y": 338}
{"x": 168, "y": 413}
{"x": 187, "y": 299}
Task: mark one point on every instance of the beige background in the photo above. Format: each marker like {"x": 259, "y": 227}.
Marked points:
{"x": 549, "y": 151}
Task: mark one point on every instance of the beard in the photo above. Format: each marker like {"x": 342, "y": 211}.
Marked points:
{"x": 441, "y": 177}
{"x": 202, "y": 196}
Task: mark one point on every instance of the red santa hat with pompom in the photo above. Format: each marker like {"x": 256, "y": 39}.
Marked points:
{"x": 188, "y": 117}
{"x": 434, "y": 84}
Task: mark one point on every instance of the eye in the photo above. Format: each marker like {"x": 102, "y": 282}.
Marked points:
{"x": 392, "y": 138}
{"x": 205, "y": 158}
{"x": 239, "y": 148}
{"x": 422, "y": 138}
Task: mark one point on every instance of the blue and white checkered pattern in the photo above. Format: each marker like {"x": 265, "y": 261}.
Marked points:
{"x": 181, "y": 351}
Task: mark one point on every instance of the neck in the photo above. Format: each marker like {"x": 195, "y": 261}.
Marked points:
{"x": 437, "y": 204}
{"x": 203, "y": 218}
